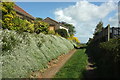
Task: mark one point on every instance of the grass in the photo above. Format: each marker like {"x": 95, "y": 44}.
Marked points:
{"x": 75, "y": 66}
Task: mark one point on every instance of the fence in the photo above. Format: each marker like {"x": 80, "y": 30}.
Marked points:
{"x": 115, "y": 32}
{"x": 107, "y": 33}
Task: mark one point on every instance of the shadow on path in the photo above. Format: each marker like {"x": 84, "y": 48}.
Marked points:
{"x": 90, "y": 73}
{"x": 79, "y": 47}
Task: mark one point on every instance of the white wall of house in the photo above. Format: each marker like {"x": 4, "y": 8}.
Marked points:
{"x": 63, "y": 28}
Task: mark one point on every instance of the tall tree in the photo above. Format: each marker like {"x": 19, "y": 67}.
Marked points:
{"x": 99, "y": 27}
{"x": 71, "y": 28}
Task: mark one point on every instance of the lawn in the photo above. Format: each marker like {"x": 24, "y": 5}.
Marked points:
{"x": 75, "y": 66}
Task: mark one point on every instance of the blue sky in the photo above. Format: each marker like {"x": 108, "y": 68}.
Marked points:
{"x": 43, "y": 9}
{"x": 46, "y": 9}
{"x": 83, "y": 15}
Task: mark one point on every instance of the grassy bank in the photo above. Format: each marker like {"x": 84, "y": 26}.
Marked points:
{"x": 24, "y": 53}
{"x": 74, "y": 66}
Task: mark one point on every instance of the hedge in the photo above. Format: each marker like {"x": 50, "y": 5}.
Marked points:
{"x": 106, "y": 56}
{"x": 23, "y": 53}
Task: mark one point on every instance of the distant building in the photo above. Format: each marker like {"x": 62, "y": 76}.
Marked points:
{"x": 54, "y": 25}
{"x": 23, "y": 14}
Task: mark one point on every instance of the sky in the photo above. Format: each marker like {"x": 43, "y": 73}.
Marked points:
{"x": 43, "y": 9}
{"x": 83, "y": 15}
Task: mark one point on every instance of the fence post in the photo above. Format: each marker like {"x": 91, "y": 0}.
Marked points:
{"x": 108, "y": 32}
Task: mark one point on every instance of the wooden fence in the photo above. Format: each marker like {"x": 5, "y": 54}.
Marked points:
{"x": 115, "y": 32}
{"x": 107, "y": 33}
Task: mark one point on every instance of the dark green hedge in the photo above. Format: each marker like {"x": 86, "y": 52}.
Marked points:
{"x": 106, "y": 56}
{"x": 62, "y": 32}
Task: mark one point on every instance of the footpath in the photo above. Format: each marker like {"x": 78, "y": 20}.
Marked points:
{"x": 54, "y": 66}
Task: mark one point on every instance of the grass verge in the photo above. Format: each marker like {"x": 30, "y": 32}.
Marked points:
{"x": 75, "y": 66}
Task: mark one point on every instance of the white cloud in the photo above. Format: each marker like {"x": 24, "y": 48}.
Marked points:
{"x": 114, "y": 20}
{"x": 84, "y": 16}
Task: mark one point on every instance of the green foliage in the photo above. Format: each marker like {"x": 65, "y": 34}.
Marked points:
{"x": 7, "y": 15}
{"x": 98, "y": 27}
{"x": 56, "y": 34}
{"x": 7, "y": 8}
{"x": 74, "y": 39}
{"x": 24, "y": 53}
{"x": 112, "y": 49}
{"x": 12, "y": 22}
{"x": 41, "y": 26}
{"x": 38, "y": 19}
{"x": 74, "y": 67}
{"x": 51, "y": 32}
{"x": 106, "y": 55}
{"x": 62, "y": 32}
{"x": 22, "y": 25}
{"x": 9, "y": 42}
{"x": 71, "y": 28}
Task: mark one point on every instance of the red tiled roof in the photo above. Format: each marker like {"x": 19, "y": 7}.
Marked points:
{"x": 17, "y": 8}
{"x": 51, "y": 19}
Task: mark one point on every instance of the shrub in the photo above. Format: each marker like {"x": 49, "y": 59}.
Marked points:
{"x": 106, "y": 55}
{"x": 22, "y": 25}
{"x": 12, "y": 22}
{"x": 62, "y": 32}
{"x": 8, "y": 14}
{"x": 51, "y": 32}
{"x": 74, "y": 39}
{"x": 24, "y": 53}
{"x": 41, "y": 26}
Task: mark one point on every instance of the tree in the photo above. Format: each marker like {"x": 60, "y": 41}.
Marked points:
{"x": 38, "y": 19}
{"x": 98, "y": 27}
{"x": 71, "y": 28}
{"x": 62, "y": 32}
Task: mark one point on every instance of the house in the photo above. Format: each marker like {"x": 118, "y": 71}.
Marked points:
{"x": 23, "y": 14}
{"x": 54, "y": 25}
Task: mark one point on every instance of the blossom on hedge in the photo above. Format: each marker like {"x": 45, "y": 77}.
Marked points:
{"x": 24, "y": 53}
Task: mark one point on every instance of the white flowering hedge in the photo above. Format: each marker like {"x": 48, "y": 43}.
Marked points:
{"x": 23, "y": 53}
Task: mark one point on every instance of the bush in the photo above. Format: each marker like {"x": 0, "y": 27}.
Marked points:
{"x": 74, "y": 39}
{"x": 51, "y": 32}
{"x": 62, "y": 32}
{"x": 12, "y": 22}
{"x": 8, "y": 14}
{"x": 106, "y": 55}
{"x": 22, "y": 25}
{"x": 41, "y": 27}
